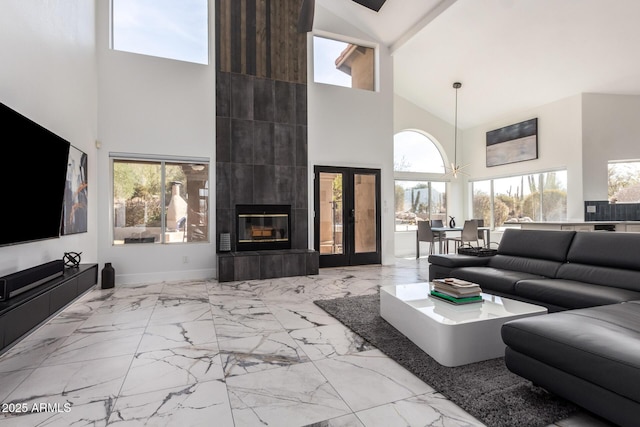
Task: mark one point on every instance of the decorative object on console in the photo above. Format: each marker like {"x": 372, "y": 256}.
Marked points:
{"x": 108, "y": 276}
{"x": 74, "y": 209}
{"x": 512, "y": 144}
{"x": 452, "y": 222}
{"x": 71, "y": 259}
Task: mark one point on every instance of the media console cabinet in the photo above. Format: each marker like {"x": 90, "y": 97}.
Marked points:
{"x": 22, "y": 313}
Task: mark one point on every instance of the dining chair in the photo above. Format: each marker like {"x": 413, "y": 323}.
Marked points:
{"x": 425, "y": 234}
{"x": 440, "y": 236}
{"x": 480, "y": 222}
{"x": 437, "y": 223}
{"x": 469, "y": 234}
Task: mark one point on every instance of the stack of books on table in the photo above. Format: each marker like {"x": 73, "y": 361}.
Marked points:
{"x": 456, "y": 291}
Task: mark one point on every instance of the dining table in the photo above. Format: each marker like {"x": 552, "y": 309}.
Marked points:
{"x": 443, "y": 230}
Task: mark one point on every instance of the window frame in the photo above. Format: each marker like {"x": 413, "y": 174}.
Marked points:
{"x": 162, "y": 161}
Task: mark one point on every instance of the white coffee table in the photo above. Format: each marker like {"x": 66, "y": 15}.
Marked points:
{"x": 452, "y": 335}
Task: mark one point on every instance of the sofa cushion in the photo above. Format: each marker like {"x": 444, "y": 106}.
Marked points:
{"x": 606, "y": 276}
{"x": 572, "y": 294}
{"x": 493, "y": 279}
{"x": 607, "y": 249}
{"x": 539, "y": 267}
{"x": 456, "y": 260}
{"x": 600, "y": 344}
{"x": 543, "y": 244}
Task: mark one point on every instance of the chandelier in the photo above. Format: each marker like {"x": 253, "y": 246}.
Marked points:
{"x": 455, "y": 168}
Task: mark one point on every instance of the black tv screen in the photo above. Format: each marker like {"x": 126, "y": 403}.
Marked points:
{"x": 33, "y": 162}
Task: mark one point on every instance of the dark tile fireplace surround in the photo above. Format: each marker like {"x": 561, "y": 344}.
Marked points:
{"x": 261, "y": 159}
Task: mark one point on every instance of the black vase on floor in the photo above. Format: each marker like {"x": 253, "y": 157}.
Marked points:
{"x": 452, "y": 222}
{"x": 108, "y": 276}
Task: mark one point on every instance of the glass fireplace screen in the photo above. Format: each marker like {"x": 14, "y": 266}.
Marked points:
{"x": 260, "y": 228}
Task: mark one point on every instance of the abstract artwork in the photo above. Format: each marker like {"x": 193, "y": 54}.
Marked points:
{"x": 74, "y": 209}
{"x": 514, "y": 143}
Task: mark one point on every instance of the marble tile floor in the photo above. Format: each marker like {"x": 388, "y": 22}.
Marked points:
{"x": 203, "y": 353}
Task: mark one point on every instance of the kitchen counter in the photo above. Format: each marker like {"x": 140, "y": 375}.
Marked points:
{"x": 629, "y": 226}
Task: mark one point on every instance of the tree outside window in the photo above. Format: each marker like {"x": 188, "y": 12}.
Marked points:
{"x": 624, "y": 181}
{"x": 525, "y": 198}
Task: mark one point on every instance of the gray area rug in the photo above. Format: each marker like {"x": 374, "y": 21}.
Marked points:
{"x": 487, "y": 390}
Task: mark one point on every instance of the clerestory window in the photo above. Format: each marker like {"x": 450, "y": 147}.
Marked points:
{"x": 344, "y": 64}
{"x": 174, "y": 29}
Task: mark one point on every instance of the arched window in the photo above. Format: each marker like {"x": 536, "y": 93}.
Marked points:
{"x": 420, "y": 187}
{"x": 415, "y": 152}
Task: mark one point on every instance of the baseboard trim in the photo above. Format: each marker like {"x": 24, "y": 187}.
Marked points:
{"x": 165, "y": 276}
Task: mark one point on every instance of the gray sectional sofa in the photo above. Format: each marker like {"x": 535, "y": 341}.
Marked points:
{"x": 587, "y": 349}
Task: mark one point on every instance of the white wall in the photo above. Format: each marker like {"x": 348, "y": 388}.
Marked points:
{"x": 611, "y": 129}
{"x": 354, "y": 128}
{"x": 559, "y": 147}
{"x": 151, "y": 105}
{"x": 580, "y": 134}
{"x": 48, "y": 73}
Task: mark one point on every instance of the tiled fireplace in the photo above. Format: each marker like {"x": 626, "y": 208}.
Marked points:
{"x": 261, "y": 140}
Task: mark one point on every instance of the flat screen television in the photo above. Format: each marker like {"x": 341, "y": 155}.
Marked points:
{"x": 33, "y": 161}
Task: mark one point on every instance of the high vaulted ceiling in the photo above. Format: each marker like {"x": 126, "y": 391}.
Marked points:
{"x": 510, "y": 55}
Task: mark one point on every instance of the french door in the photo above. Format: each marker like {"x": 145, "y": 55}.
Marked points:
{"x": 347, "y": 216}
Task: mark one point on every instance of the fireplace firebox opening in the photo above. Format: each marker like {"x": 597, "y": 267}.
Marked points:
{"x": 263, "y": 227}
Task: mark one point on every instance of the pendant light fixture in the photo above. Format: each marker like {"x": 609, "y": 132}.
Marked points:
{"x": 455, "y": 167}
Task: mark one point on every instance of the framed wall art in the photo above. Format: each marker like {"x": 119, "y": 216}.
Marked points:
{"x": 74, "y": 219}
{"x": 513, "y": 143}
